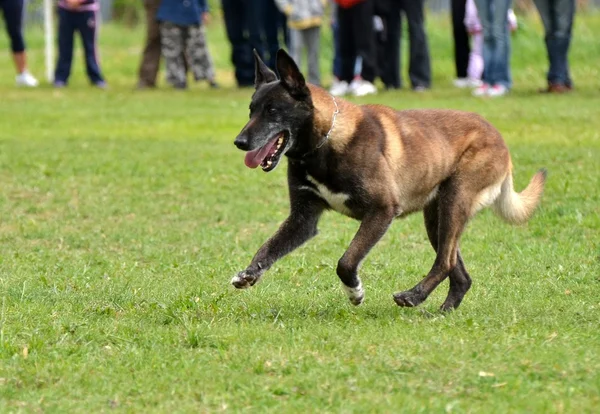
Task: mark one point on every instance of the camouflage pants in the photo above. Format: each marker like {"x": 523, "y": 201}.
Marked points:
{"x": 181, "y": 41}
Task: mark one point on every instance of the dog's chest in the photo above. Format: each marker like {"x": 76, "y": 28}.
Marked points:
{"x": 336, "y": 201}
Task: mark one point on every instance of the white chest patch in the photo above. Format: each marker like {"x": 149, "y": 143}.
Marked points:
{"x": 336, "y": 201}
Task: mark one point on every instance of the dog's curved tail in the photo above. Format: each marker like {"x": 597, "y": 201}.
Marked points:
{"x": 517, "y": 208}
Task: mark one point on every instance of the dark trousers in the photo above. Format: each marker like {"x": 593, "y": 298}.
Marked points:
{"x": 274, "y": 22}
{"x": 557, "y": 16}
{"x": 13, "y": 17}
{"x": 388, "y": 43}
{"x": 419, "y": 66}
{"x": 85, "y": 23}
{"x": 151, "y": 55}
{"x": 462, "y": 48}
{"x": 243, "y": 26}
{"x": 355, "y": 29}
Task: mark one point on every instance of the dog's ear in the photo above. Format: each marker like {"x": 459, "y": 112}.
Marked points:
{"x": 290, "y": 76}
{"x": 262, "y": 74}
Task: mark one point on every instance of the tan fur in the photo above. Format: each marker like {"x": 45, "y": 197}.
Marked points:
{"x": 515, "y": 207}
{"x": 424, "y": 147}
{"x": 346, "y": 121}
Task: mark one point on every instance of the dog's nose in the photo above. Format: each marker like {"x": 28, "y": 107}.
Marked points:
{"x": 241, "y": 142}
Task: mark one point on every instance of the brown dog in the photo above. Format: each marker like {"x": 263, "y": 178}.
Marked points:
{"x": 374, "y": 163}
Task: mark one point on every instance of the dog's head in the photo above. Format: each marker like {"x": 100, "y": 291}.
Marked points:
{"x": 279, "y": 110}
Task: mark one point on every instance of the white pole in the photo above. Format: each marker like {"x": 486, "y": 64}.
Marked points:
{"x": 49, "y": 39}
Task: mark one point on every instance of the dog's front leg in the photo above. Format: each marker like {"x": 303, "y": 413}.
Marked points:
{"x": 298, "y": 228}
{"x": 373, "y": 227}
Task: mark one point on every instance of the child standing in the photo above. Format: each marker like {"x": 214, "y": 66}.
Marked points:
{"x": 81, "y": 16}
{"x": 304, "y": 19}
{"x": 473, "y": 26}
{"x": 182, "y": 34}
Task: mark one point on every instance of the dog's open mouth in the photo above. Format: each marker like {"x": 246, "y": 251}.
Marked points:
{"x": 268, "y": 155}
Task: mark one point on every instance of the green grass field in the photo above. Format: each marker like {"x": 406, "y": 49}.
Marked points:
{"x": 124, "y": 215}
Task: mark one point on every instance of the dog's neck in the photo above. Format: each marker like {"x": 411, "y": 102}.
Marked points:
{"x": 326, "y": 109}
{"x": 333, "y": 116}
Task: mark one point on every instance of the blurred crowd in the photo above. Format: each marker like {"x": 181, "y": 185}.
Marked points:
{"x": 366, "y": 36}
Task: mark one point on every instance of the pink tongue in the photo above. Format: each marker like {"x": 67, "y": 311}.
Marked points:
{"x": 255, "y": 157}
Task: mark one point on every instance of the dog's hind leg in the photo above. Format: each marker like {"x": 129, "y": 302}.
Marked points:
{"x": 298, "y": 228}
{"x": 460, "y": 281}
{"x": 454, "y": 204}
{"x": 372, "y": 228}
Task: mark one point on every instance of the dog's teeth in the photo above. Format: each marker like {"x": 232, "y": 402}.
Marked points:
{"x": 269, "y": 163}
{"x": 280, "y": 141}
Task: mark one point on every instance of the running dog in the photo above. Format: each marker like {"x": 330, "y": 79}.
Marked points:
{"x": 374, "y": 164}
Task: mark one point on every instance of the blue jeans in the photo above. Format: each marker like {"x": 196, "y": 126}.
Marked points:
{"x": 496, "y": 41}
{"x": 557, "y": 16}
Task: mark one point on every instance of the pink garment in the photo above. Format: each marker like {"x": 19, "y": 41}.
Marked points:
{"x": 473, "y": 25}
{"x": 475, "y": 68}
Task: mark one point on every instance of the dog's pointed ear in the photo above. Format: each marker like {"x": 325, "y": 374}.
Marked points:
{"x": 262, "y": 73}
{"x": 290, "y": 76}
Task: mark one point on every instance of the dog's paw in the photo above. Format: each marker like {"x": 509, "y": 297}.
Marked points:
{"x": 356, "y": 295}
{"x": 244, "y": 280}
{"x": 408, "y": 298}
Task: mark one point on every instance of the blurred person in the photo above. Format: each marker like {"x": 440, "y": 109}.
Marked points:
{"x": 557, "y": 17}
{"x": 462, "y": 46}
{"x": 388, "y": 32}
{"x": 274, "y": 22}
{"x": 304, "y": 19}
{"x": 419, "y": 66}
{"x": 12, "y": 10}
{"x": 150, "y": 63}
{"x": 337, "y": 62}
{"x": 182, "y": 35}
{"x": 388, "y": 27}
{"x": 473, "y": 26}
{"x": 356, "y": 38}
{"x": 243, "y": 28}
{"x": 80, "y": 16}
{"x": 496, "y": 80}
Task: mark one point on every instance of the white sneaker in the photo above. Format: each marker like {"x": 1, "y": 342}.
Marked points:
{"x": 27, "y": 79}
{"x": 481, "y": 90}
{"x": 497, "y": 90}
{"x": 361, "y": 87}
{"x": 461, "y": 82}
{"x": 339, "y": 88}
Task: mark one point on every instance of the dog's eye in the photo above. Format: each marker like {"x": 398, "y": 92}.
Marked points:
{"x": 271, "y": 110}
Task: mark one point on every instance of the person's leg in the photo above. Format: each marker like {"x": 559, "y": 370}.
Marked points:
{"x": 13, "y": 17}
{"x": 364, "y": 38}
{"x": 337, "y": 63}
{"x": 88, "y": 27}
{"x": 270, "y": 27}
{"x": 475, "y": 69}
{"x": 254, "y": 24}
{"x": 296, "y": 46}
{"x": 347, "y": 46}
{"x": 419, "y": 66}
{"x": 501, "y": 55}
{"x": 241, "y": 51}
{"x": 151, "y": 55}
{"x": 557, "y": 17}
{"x": 312, "y": 41}
{"x": 171, "y": 36}
{"x": 66, "y": 30}
{"x": 389, "y": 58}
{"x": 565, "y": 14}
{"x": 199, "y": 56}
{"x": 485, "y": 14}
{"x": 461, "y": 38}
